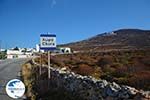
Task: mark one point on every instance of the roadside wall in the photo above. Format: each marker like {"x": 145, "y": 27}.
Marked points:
{"x": 89, "y": 88}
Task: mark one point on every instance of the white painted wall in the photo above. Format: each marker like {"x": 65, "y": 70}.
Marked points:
{"x": 65, "y": 49}
{"x": 14, "y": 52}
{"x": 17, "y": 54}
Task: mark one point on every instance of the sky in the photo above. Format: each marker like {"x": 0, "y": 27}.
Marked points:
{"x": 22, "y": 21}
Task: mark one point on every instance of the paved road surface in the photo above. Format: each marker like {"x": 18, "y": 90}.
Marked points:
{"x": 9, "y": 69}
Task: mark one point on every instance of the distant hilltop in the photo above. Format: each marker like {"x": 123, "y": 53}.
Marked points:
{"x": 119, "y": 39}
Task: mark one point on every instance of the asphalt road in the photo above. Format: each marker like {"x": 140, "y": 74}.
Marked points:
{"x": 9, "y": 69}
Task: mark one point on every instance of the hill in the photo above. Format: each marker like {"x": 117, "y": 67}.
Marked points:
{"x": 119, "y": 39}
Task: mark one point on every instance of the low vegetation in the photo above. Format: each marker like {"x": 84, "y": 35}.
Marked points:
{"x": 124, "y": 67}
{"x": 3, "y": 55}
{"x": 33, "y": 83}
{"x": 29, "y": 76}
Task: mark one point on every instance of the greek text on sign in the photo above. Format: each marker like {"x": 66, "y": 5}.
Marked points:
{"x": 48, "y": 41}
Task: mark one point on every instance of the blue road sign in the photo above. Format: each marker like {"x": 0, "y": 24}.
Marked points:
{"x": 47, "y": 42}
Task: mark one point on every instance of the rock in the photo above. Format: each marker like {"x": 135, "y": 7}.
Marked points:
{"x": 146, "y": 94}
{"x": 93, "y": 89}
{"x": 109, "y": 98}
{"x": 80, "y": 77}
{"x": 123, "y": 95}
{"x": 111, "y": 91}
{"x": 62, "y": 72}
{"x": 64, "y": 69}
{"x": 105, "y": 82}
{"x": 131, "y": 90}
{"x": 94, "y": 80}
{"x": 116, "y": 86}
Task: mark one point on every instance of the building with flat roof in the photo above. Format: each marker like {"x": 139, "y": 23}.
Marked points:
{"x": 20, "y": 53}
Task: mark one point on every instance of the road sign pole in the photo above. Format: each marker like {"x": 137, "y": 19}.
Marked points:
{"x": 49, "y": 74}
{"x": 47, "y": 43}
{"x": 49, "y": 58}
{"x": 40, "y": 62}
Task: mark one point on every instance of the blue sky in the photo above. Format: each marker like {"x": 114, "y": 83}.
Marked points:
{"x": 22, "y": 21}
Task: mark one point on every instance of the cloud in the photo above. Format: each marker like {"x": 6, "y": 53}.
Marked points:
{"x": 53, "y": 3}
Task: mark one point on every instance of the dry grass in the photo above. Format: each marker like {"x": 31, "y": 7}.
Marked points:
{"x": 122, "y": 67}
{"x": 28, "y": 76}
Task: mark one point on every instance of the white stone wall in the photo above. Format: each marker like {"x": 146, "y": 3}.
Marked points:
{"x": 92, "y": 89}
{"x": 89, "y": 88}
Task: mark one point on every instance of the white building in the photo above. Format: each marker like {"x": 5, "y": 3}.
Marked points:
{"x": 65, "y": 50}
{"x": 2, "y": 50}
{"x": 15, "y": 54}
{"x": 62, "y": 50}
{"x": 38, "y": 48}
{"x": 20, "y": 53}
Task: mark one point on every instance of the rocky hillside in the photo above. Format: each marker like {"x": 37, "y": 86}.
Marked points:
{"x": 120, "y": 39}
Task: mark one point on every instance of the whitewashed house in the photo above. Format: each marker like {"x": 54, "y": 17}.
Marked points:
{"x": 20, "y": 53}
{"x": 65, "y": 50}
{"x": 2, "y": 50}
{"x": 15, "y": 54}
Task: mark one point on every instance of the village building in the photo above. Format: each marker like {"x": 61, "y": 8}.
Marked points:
{"x": 65, "y": 50}
{"x": 19, "y": 53}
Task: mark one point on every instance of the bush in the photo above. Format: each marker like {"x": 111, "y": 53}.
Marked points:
{"x": 105, "y": 61}
{"x": 84, "y": 69}
{"x": 97, "y": 73}
{"x": 29, "y": 76}
{"x": 122, "y": 80}
{"x": 141, "y": 80}
{"x": 2, "y": 55}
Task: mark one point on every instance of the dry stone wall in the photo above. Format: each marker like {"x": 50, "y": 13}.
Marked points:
{"x": 89, "y": 88}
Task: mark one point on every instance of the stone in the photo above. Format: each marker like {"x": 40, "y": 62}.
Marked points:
{"x": 123, "y": 95}
{"x": 111, "y": 91}
{"x": 131, "y": 90}
{"x": 64, "y": 69}
{"x": 146, "y": 94}
{"x": 116, "y": 86}
{"x": 105, "y": 82}
{"x": 93, "y": 89}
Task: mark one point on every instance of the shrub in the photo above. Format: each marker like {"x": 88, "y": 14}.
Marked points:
{"x": 105, "y": 61}
{"x": 122, "y": 80}
{"x": 141, "y": 80}
{"x": 97, "y": 73}
{"x": 84, "y": 69}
